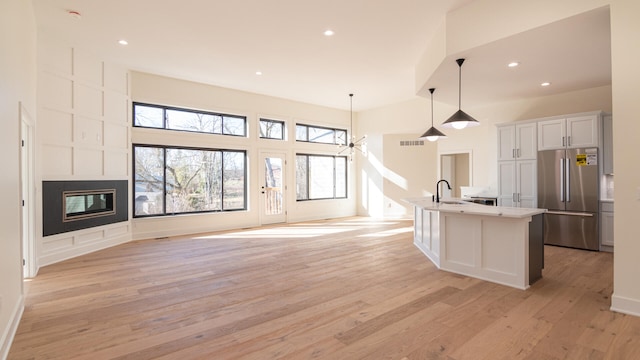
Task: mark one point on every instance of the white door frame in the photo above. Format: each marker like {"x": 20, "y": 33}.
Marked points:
{"x": 27, "y": 191}
{"x": 456, "y": 152}
{"x": 272, "y": 219}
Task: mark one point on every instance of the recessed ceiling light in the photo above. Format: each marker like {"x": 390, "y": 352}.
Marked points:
{"x": 545, "y": 84}
{"x": 328, "y": 32}
{"x": 123, "y": 42}
{"x": 513, "y": 64}
{"x": 258, "y": 73}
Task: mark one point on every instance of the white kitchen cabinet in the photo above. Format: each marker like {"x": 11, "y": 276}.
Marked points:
{"x": 570, "y": 132}
{"x": 606, "y": 223}
{"x": 517, "y": 183}
{"x": 607, "y": 145}
{"x": 517, "y": 142}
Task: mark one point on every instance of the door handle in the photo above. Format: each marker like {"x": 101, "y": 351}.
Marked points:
{"x": 563, "y": 141}
{"x": 513, "y": 153}
{"x": 562, "y": 180}
{"x": 567, "y": 165}
{"x": 569, "y": 213}
{"x": 568, "y": 140}
{"x": 519, "y": 153}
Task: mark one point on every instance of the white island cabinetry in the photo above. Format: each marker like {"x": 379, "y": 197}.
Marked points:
{"x": 498, "y": 244}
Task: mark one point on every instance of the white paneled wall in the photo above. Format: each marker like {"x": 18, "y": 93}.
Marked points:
{"x": 83, "y": 131}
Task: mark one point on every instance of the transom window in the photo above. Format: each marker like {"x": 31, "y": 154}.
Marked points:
{"x": 170, "y": 118}
{"x": 176, "y": 180}
{"x": 272, "y": 129}
{"x": 321, "y": 177}
{"x": 318, "y": 134}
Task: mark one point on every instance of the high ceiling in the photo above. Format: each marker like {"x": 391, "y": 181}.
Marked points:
{"x": 374, "y": 50}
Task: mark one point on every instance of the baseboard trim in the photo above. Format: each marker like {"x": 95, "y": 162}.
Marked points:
{"x": 625, "y": 305}
{"x": 10, "y": 332}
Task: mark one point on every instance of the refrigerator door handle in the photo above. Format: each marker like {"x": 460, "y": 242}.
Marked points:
{"x": 570, "y": 213}
{"x": 567, "y": 164}
{"x": 562, "y": 180}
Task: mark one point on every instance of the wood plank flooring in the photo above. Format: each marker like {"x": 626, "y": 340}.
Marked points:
{"x": 353, "y": 288}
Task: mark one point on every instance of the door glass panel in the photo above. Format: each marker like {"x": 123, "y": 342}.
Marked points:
{"x": 273, "y": 186}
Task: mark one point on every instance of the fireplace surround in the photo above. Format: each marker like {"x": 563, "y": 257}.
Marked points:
{"x": 75, "y": 205}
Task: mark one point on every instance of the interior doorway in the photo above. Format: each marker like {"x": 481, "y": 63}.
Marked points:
{"x": 27, "y": 186}
{"x": 455, "y": 167}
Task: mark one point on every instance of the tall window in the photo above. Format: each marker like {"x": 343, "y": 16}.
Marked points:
{"x": 321, "y": 177}
{"x": 320, "y": 134}
{"x": 271, "y": 129}
{"x": 172, "y": 180}
{"x": 164, "y": 117}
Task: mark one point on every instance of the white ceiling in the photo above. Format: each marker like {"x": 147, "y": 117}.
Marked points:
{"x": 374, "y": 50}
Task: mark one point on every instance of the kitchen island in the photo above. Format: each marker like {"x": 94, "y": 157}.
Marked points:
{"x": 498, "y": 244}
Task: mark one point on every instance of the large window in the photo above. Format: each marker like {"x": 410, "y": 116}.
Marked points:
{"x": 322, "y": 135}
{"x": 163, "y": 117}
{"x": 171, "y": 180}
{"x": 321, "y": 177}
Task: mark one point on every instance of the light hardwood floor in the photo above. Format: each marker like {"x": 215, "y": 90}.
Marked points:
{"x": 352, "y": 288}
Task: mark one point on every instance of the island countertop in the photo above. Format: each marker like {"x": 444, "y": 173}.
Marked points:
{"x": 459, "y": 206}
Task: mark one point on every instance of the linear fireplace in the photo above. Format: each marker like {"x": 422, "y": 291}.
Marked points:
{"x": 75, "y": 205}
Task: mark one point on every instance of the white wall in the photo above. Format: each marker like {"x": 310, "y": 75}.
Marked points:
{"x": 17, "y": 93}
{"x": 154, "y": 89}
{"x": 625, "y": 54}
{"x": 83, "y": 133}
{"x": 391, "y": 172}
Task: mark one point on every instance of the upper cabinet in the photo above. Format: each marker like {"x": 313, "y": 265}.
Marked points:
{"x": 517, "y": 152}
{"x": 517, "y": 142}
{"x": 571, "y": 132}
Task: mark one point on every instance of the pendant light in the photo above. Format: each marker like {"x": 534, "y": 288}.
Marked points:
{"x": 353, "y": 143}
{"x": 432, "y": 134}
{"x": 460, "y": 119}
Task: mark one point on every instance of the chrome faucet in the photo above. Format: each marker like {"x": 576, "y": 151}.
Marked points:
{"x": 438, "y": 187}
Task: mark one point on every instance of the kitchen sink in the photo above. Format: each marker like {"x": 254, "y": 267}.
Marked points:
{"x": 453, "y": 202}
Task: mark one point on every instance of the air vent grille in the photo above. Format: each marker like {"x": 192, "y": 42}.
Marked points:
{"x": 411, "y": 142}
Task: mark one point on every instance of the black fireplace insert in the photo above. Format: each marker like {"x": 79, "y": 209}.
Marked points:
{"x": 75, "y": 205}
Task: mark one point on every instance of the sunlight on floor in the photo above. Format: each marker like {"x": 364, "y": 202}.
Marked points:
{"x": 389, "y": 232}
{"x": 309, "y": 230}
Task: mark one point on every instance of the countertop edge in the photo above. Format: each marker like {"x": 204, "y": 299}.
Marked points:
{"x": 474, "y": 209}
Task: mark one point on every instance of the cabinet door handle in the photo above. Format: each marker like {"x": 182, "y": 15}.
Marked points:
{"x": 568, "y": 140}
{"x": 513, "y": 197}
{"x": 563, "y": 141}
{"x": 513, "y": 153}
{"x": 519, "y": 155}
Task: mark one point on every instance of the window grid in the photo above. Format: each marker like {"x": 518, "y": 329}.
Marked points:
{"x": 160, "y": 120}
{"x": 271, "y": 129}
{"x": 304, "y": 132}
{"x": 304, "y": 163}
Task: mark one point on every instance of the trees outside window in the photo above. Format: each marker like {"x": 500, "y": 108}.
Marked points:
{"x": 171, "y": 180}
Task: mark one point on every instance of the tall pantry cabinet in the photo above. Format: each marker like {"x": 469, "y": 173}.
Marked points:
{"x": 517, "y": 165}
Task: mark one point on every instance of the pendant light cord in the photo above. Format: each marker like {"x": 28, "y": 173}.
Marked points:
{"x": 460, "y": 62}
{"x": 431, "y": 90}
{"x": 351, "y": 112}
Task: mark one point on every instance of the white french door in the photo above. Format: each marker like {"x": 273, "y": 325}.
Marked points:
{"x": 272, "y": 188}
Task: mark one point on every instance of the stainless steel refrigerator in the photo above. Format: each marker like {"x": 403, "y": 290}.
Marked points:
{"x": 568, "y": 189}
